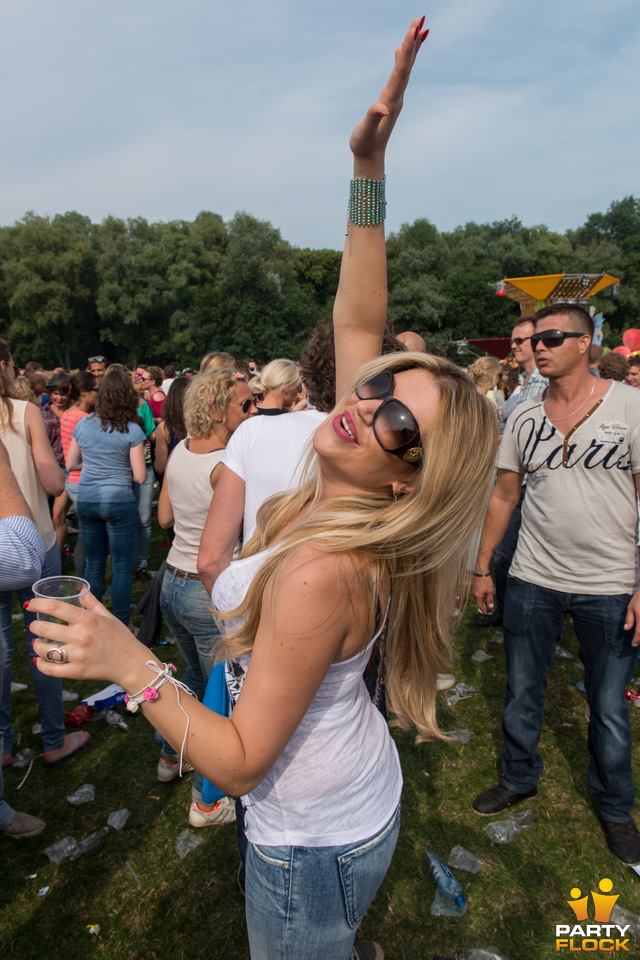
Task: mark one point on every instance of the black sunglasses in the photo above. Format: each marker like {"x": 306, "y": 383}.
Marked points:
{"x": 518, "y": 341}
{"x": 394, "y": 426}
{"x": 553, "y": 338}
{"x": 246, "y": 404}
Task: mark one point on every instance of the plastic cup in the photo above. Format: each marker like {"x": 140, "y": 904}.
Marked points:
{"x": 68, "y": 589}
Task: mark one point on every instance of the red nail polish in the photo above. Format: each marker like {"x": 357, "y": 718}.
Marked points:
{"x": 380, "y": 114}
{"x": 415, "y": 36}
{"x": 422, "y": 22}
{"x": 426, "y": 34}
{"x": 25, "y": 605}
{"x": 35, "y": 660}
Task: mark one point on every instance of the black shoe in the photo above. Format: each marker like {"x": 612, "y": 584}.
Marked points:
{"x": 623, "y": 840}
{"x": 146, "y": 576}
{"x": 498, "y": 798}
{"x": 492, "y": 619}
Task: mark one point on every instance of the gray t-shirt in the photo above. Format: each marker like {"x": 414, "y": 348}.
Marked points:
{"x": 580, "y": 514}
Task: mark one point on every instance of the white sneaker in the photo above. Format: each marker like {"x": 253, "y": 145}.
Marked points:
{"x": 170, "y": 769}
{"x": 223, "y": 812}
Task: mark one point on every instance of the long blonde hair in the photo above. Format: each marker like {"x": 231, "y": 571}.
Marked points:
{"x": 424, "y": 539}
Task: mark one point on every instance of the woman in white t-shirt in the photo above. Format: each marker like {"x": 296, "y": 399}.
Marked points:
{"x": 378, "y": 534}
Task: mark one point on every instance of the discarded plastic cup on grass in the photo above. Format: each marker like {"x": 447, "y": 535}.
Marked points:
{"x": 480, "y": 656}
{"x": 562, "y": 653}
{"x": 462, "y": 859}
{"x": 118, "y": 818}
{"x": 24, "y": 757}
{"x": 60, "y": 850}
{"x": 186, "y": 842}
{"x": 449, "y": 900}
{"x": 89, "y": 843}
{"x": 451, "y": 697}
{"x": 68, "y": 695}
{"x": 84, "y": 794}
{"x": 504, "y": 831}
{"x": 464, "y": 690}
{"x": 462, "y": 735}
{"x": 489, "y": 953}
{"x": 497, "y": 636}
{"x": 626, "y": 917}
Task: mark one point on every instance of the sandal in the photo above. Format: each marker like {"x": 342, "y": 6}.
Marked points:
{"x": 80, "y": 746}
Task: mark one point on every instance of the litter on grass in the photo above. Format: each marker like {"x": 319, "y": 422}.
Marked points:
{"x": 451, "y": 697}
{"x": 16, "y": 616}
{"x": 93, "y": 928}
{"x": 444, "y": 906}
{"x": 18, "y": 687}
{"x": 24, "y": 757}
{"x": 564, "y": 654}
{"x": 480, "y": 656}
{"x": 462, "y": 859}
{"x": 497, "y": 637}
{"x": 133, "y": 874}
{"x": 84, "y": 794}
{"x": 89, "y": 843}
{"x": 43, "y": 891}
{"x": 186, "y": 842}
{"x": 69, "y": 695}
{"x": 504, "y": 831}
{"x": 60, "y": 850}
{"x": 462, "y": 735}
{"x": 623, "y": 917}
{"x": 488, "y": 953}
{"x": 36, "y": 729}
{"x": 579, "y": 685}
{"x": 118, "y": 818}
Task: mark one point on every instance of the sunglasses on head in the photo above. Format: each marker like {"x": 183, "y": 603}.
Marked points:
{"x": 553, "y": 338}
{"x": 394, "y": 426}
{"x": 97, "y": 360}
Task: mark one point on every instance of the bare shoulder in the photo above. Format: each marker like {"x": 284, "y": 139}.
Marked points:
{"x": 312, "y": 567}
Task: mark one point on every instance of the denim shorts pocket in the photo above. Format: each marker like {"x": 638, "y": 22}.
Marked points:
{"x": 362, "y": 870}
{"x": 518, "y": 605}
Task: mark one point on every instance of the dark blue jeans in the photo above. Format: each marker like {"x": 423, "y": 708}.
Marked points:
{"x": 110, "y": 528}
{"x": 533, "y": 619}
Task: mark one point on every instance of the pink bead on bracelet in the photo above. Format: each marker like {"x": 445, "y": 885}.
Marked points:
{"x": 150, "y": 693}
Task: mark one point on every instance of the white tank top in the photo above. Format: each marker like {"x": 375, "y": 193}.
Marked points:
{"x": 188, "y": 475}
{"x": 21, "y": 457}
{"x": 338, "y": 779}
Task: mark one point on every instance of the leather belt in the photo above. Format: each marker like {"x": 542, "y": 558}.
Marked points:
{"x": 182, "y": 573}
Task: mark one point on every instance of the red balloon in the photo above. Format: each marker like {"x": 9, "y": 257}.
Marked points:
{"x": 631, "y": 339}
{"x": 625, "y": 351}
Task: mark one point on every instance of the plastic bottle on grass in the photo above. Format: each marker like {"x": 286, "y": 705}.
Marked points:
{"x": 447, "y": 885}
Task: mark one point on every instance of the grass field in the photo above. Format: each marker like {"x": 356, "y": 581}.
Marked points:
{"x": 192, "y": 908}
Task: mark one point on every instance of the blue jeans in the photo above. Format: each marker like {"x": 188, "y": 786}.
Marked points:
{"x": 309, "y": 901}
{"x": 7, "y": 813}
{"x": 533, "y": 619}
{"x": 143, "y": 492}
{"x": 48, "y": 689}
{"x": 109, "y": 528}
{"x": 186, "y": 609}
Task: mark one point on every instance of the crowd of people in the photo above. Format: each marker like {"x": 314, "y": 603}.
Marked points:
{"x": 325, "y": 515}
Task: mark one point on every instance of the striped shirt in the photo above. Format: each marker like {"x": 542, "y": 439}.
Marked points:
{"x": 21, "y": 553}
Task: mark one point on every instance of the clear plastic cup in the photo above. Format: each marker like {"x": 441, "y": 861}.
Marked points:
{"x": 68, "y": 589}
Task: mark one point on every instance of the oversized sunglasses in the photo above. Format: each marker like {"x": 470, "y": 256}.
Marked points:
{"x": 246, "y": 404}
{"x": 553, "y": 338}
{"x": 394, "y": 426}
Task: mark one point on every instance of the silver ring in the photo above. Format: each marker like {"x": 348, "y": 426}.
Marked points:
{"x": 62, "y": 657}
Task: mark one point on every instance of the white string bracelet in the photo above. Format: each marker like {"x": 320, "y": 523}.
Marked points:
{"x": 150, "y": 693}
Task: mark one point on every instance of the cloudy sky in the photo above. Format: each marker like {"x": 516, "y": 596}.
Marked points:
{"x": 162, "y": 109}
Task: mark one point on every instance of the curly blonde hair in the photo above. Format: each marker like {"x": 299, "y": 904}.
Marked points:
{"x": 207, "y": 398}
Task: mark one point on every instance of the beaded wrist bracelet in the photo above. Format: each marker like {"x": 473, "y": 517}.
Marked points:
{"x": 150, "y": 693}
{"x": 367, "y": 202}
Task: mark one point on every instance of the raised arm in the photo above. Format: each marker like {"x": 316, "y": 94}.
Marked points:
{"x": 360, "y": 310}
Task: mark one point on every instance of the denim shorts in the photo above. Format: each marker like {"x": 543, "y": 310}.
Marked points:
{"x": 309, "y": 901}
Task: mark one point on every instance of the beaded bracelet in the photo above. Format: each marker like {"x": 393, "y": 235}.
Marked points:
{"x": 150, "y": 693}
{"x": 367, "y": 202}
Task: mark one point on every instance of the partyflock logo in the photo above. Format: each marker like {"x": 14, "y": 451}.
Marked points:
{"x": 599, "y": 935}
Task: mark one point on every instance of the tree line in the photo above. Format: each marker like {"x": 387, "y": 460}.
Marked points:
{"x": 170, "y": 292}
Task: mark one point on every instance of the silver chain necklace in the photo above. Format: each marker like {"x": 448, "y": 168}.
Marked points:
{"x": 573, "y": 412}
